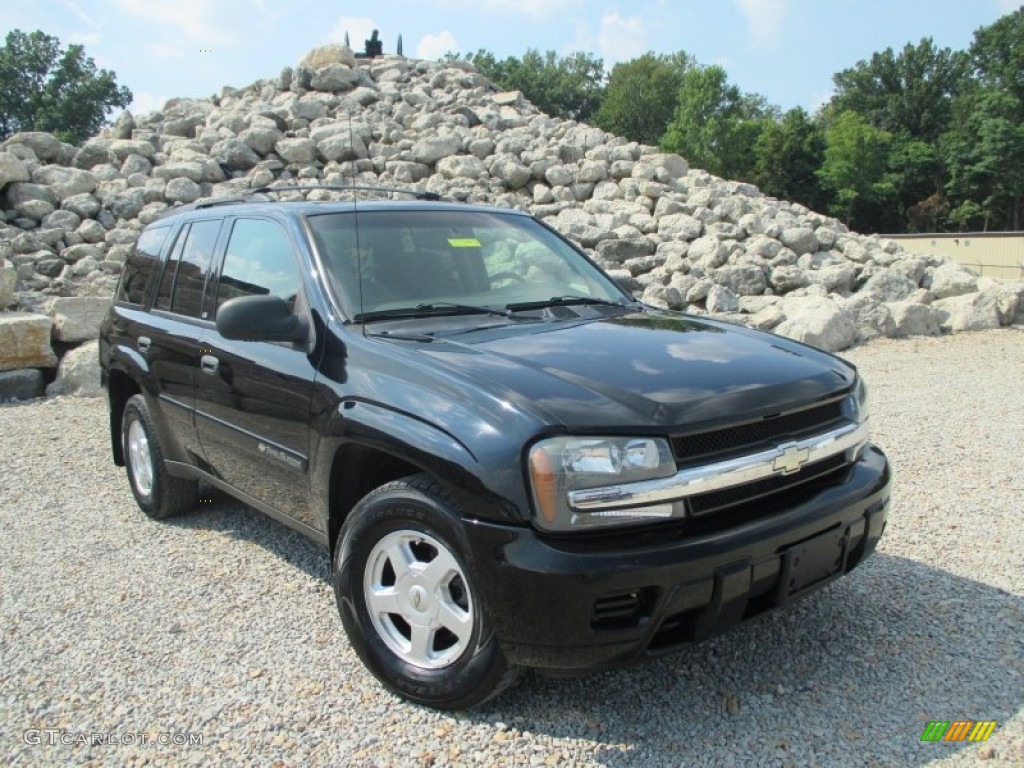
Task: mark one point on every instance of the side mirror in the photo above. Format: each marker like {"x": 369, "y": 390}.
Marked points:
{"x": 260, "y": 318}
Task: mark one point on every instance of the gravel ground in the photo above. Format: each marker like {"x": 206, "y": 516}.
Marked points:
{"x": 222, "y": 624}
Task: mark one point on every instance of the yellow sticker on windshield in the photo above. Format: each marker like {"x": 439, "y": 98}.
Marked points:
{"x": 463, "y": 242}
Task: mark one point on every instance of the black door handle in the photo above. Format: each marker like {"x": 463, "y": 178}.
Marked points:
{"x": 209, "y": 364}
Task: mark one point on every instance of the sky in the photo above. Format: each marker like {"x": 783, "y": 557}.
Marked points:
{"x": 784, "y": 50}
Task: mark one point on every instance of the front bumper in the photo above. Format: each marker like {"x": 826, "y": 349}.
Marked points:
{"x": 562, "y": 604}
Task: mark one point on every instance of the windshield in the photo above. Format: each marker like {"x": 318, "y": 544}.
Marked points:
{"x": 451, "y": 262}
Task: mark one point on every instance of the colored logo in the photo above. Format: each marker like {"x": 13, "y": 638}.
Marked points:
{"x": 958, "y": 730}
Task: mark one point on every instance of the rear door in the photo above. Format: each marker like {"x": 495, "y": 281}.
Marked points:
{"x": 253, "y": 397}
{"x": 171, "y": 343}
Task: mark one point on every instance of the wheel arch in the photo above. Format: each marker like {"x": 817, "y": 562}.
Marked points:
{"x": 120, "y": 388}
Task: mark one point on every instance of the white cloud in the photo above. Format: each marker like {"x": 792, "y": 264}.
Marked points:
{"x": 764, "y": 18}
{"x": 145, "y": 102}
{"x": 358, "y": 28}
{"x": 433, "y": 47}
{"x": 192, "y": 19}
{"x": 166, "y": 51}
{"x": 82, "y": 16}
{"x": 620, "y": 38}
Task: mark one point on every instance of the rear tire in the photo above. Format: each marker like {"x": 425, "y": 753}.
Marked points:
{"x": 408, "y": 600}
{"x": 157, "y": 492}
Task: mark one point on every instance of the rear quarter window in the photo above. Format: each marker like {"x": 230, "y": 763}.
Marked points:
{"x": 142, "y": 266}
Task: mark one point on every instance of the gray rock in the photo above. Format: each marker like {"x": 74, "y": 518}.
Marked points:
{"x": 767, "y": 318}
{"x": 800, "y": 240}
{"x": 818, "y": 321}
{"x": 910, "y": 319}
{"x": 888, "y": 286}
{"x": 619, "y": 250}
{"x": 721, "y": 299}
{"x": 325, "y": 55}
{"x": 185, "y": 169}
{"x": 742, "y": 280}
{"x": 680, "y": 226}
{"x": 85, "y": 206}
{"x": 699, "y": 291}
{"x": 78, "y": 373}
{"x": 873, "y": 318}
{"x": 953, "y": 280}
{"x": 46, "y": 147}
{"x": 234, "y": 154}
{"x": 77, "y": 318}
{"x": 510, "y": 170}
{"x": 429, "y": 150}
{"x": 92, "y": 154}
{"x": 969, "y": 312}
{"x": 12, "y": 169}
{"x": 786, "y": 278}
{"x": 335, "y": 77}
{"x": 708, "y": 251}
{"x": 25, "y": 342}
{"x": 182, "y": 191}
{"x": 21, "y": 384}
{"x": 33, "y": 200}
{"x": 298, "y": 150}
{"x": 8, "y": 280}
{"x": 461, "y": 167}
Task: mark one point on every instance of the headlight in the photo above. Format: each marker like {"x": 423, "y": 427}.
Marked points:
{"x": 562, "y": 464}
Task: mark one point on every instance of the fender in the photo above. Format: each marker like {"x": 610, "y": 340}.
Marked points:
{"x": 476, "y": 487}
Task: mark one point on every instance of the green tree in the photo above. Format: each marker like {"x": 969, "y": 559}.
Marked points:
{"x": 787, "y": 154}
{"x": 640, "y": 97}
{"x": 715, "y": 125}
{"x": 985, "y": 147}
{"x": 911, "y": 92}
{"x": 570, "y": 86}
{"x": 856, "y": 169}
{"x": 46, "y": 88}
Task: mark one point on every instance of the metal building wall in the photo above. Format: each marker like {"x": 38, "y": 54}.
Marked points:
{"x": 994, "y": 254}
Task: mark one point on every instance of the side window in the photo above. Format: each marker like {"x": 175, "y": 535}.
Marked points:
{"x": 181, "y": 289}
{"x": 258, "y": 262}
{"x": 141, "y": 266}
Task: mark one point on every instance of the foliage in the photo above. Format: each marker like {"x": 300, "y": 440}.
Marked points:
{"x": 640, "y": 97}
{"x": 46, "y": 88}
{"x": 570, "y": 86}
{"x": 787, "y": 153}
{"x": 908, "y": 93}
{"x": 855, "y": 167}
{"x": 714, "y": 124}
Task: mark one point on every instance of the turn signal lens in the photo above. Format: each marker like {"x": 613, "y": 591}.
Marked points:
{"x": 545, "y": 484}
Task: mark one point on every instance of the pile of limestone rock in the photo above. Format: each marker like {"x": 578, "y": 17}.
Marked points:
{"x": 685, "y": 239}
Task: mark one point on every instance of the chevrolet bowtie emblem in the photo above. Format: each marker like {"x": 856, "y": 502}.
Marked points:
{"x": 791, "y": 459}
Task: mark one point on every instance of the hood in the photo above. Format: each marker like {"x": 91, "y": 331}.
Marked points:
{"x": 640, "y": 370}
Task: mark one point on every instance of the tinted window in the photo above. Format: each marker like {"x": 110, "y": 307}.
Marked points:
{"x": 181, "y": 289}
{"x": 141, "y": 266}
{"x": 258, "y": 262}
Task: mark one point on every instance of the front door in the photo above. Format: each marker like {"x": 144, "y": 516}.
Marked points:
{"x": 253, "y": 397}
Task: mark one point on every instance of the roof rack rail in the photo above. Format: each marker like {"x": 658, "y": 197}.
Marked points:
{"x": 211, "y": 202}
{"x": 418, "y": 194}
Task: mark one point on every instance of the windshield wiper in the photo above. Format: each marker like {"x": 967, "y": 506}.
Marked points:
{"x": 561, "y": 301}
{"x": 427, "y": 309}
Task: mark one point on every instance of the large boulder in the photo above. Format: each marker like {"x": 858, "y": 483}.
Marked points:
{"x": 818, "y": 321}
{"x": 970, "y": 312}
{"x": 77, "y": 318}
{"x": 325, "y": 55}
{"x": 8, "y": 280}
{"x": 21, "y": 384}
{"x": 78, "y": 373}
{"x": 25, "y": 342}
{"x": 953, "y": 280}
{"x": 12, "y": 169}
{"x": 912, "y": 319}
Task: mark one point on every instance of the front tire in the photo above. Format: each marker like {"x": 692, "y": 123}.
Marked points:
{"x": 156, "y": 491}
{"x": 408, "y": 601}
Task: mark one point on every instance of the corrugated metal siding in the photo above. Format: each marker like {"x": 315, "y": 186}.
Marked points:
{"x": 995, "y": 254}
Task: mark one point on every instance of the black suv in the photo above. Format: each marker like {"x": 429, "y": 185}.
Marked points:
{"x": 512, "y": 462}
